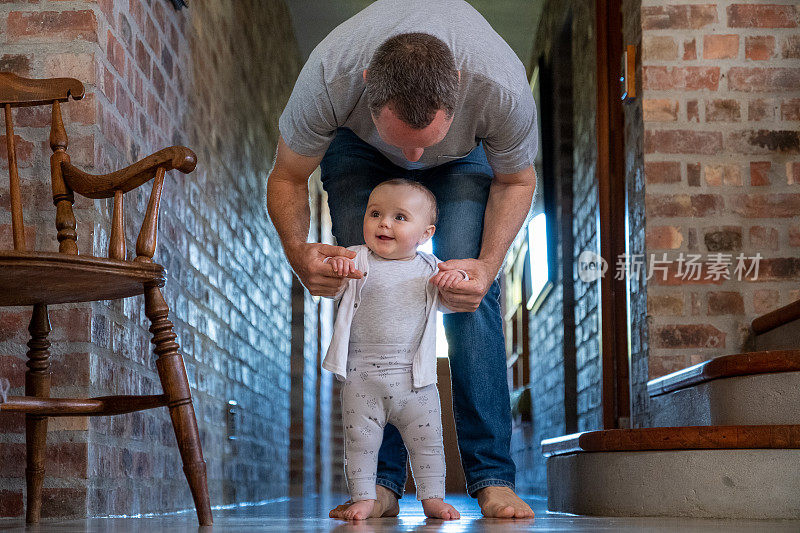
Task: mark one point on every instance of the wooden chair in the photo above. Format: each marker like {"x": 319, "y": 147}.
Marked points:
{"x": 40, "y": 279}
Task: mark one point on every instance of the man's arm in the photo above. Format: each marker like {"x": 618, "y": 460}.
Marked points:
{"x": 287, "y": 203}
{"x": 510, "y": 197}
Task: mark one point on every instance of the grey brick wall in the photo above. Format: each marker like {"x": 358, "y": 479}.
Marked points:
{"x": 585, "y": 201}
{"x": 157, "y": 77}
{"x": 635, "y": 179}
{"x": 547, "y": 325}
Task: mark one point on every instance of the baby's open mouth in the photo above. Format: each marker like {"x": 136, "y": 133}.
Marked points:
{"x": 385, "y": 238}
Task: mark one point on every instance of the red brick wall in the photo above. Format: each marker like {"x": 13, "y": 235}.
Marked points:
{"x": 48, "y": 41}
{"x": 157, "y": 77}
{"x": 722, "y": 164}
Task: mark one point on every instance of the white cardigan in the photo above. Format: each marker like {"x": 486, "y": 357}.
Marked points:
{"x": 423, "y": 366}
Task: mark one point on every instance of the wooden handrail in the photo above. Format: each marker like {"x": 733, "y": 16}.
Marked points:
{"x": 727, "y": 366}
{"x": 102, "y": 406}
{"x": 778, "y": 317}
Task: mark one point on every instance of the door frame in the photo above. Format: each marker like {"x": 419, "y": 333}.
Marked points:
{"x": 612, "y": 196}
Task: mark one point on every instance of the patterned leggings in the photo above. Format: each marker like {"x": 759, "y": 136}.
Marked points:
{"x": 378, "y": 391}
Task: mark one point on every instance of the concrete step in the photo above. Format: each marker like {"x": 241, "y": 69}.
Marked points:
{"x": 752, "y": 388}
{"x": 713, "y": 472}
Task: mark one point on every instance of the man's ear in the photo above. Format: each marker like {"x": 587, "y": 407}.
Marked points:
{"x": 364, "y": 74}
{"x": 459, "y": 75}
{"x": 429, "y": 231}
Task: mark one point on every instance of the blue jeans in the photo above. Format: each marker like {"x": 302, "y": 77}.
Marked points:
{"x": 350, "y": 170}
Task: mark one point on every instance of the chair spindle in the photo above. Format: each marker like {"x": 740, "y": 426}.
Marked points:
{"x": 116, "y": 247}
{"x": 146, "y": 243}
{"x": 63, "y": 197}
{"x": 17, "y": 225}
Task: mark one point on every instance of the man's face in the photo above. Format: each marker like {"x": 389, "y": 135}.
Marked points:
{"x": 397, "y": 220}
{"x": 411, "y": 141}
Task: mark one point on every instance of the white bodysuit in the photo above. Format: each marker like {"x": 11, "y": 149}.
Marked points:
{"x": 385, "y": 334}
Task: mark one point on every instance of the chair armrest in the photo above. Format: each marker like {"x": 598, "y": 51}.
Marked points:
{"x": 130, "y": 177}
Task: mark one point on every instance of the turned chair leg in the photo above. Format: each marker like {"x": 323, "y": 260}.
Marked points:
{"x": 172, "y": 372}
{"x": 37, "y": 383}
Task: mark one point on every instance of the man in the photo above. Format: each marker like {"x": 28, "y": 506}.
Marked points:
{"x": 425, "y": 90}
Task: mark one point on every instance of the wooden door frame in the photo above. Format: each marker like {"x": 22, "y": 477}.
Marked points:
{"x": 612, "y": 194}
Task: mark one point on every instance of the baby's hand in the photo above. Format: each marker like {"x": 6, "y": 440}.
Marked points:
{"x": 448, "y": 279}
{"x": 342, "y": 266}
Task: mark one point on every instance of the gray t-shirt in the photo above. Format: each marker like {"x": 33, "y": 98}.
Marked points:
{"x": 495, "y": 104}
{"x": 393, "y": 302}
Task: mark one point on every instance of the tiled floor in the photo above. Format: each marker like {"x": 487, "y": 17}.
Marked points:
{"x": 301, "y": 515}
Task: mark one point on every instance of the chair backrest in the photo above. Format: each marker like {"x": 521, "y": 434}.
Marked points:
{"x": 16, "y": 91}
{"x": 66, "y": 179}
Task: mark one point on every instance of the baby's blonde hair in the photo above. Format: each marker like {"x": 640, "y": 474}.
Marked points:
{"x": 434, "y": 207}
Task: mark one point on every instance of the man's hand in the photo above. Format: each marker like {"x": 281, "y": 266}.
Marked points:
{"x": 318, "y": 277}
{"x": 466, "y": 295}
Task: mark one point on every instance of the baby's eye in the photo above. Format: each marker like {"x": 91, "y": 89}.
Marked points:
{"x": 400, "y": 217}
{"x": 374, "y": 214}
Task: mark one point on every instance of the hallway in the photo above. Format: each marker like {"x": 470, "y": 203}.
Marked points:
{"x": 303, "y": 514}
{"x": 653, "y": 369}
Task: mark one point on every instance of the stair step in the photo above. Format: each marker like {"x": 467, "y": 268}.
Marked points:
{"x": 747, "y": 388}
{"x": 715, "y": 472}
{"x": 676, "y": 438}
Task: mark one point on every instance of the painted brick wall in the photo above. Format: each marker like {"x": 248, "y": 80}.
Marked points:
{"x": 157, "y": 77}
{"x": 635, "y": 180}
{"x": 722, "y": 165}
{"x": 310, "y": 461}
{"x": 546, "y": 326}
{"x": 587, "y": 295}
{"x": 547, "y": 393}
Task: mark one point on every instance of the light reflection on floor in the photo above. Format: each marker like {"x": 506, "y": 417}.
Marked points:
{"x": 310, "y": 515}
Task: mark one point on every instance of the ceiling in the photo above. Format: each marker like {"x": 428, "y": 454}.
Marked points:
{"x": 515, "y": 20}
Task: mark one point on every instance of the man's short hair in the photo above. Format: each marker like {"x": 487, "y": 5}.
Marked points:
{"x": 434, "y": 207}
{"x": 414, "y": 73}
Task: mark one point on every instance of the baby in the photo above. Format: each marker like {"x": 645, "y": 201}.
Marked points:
{"x": 384, "y": 346}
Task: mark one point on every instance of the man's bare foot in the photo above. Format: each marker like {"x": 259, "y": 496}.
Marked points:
{"x": 502, "y": 502}
{"x": 385, "y": 505}
{"x": 437, "y": 508}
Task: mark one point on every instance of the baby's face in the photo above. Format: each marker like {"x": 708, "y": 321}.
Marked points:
{"x": 398, "y": 219}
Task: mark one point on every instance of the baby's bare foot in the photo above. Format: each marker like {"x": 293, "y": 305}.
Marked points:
{"x": 360, "y": 510}
{"x": 437, "y": 508}
{"x": 385, "y": 505}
